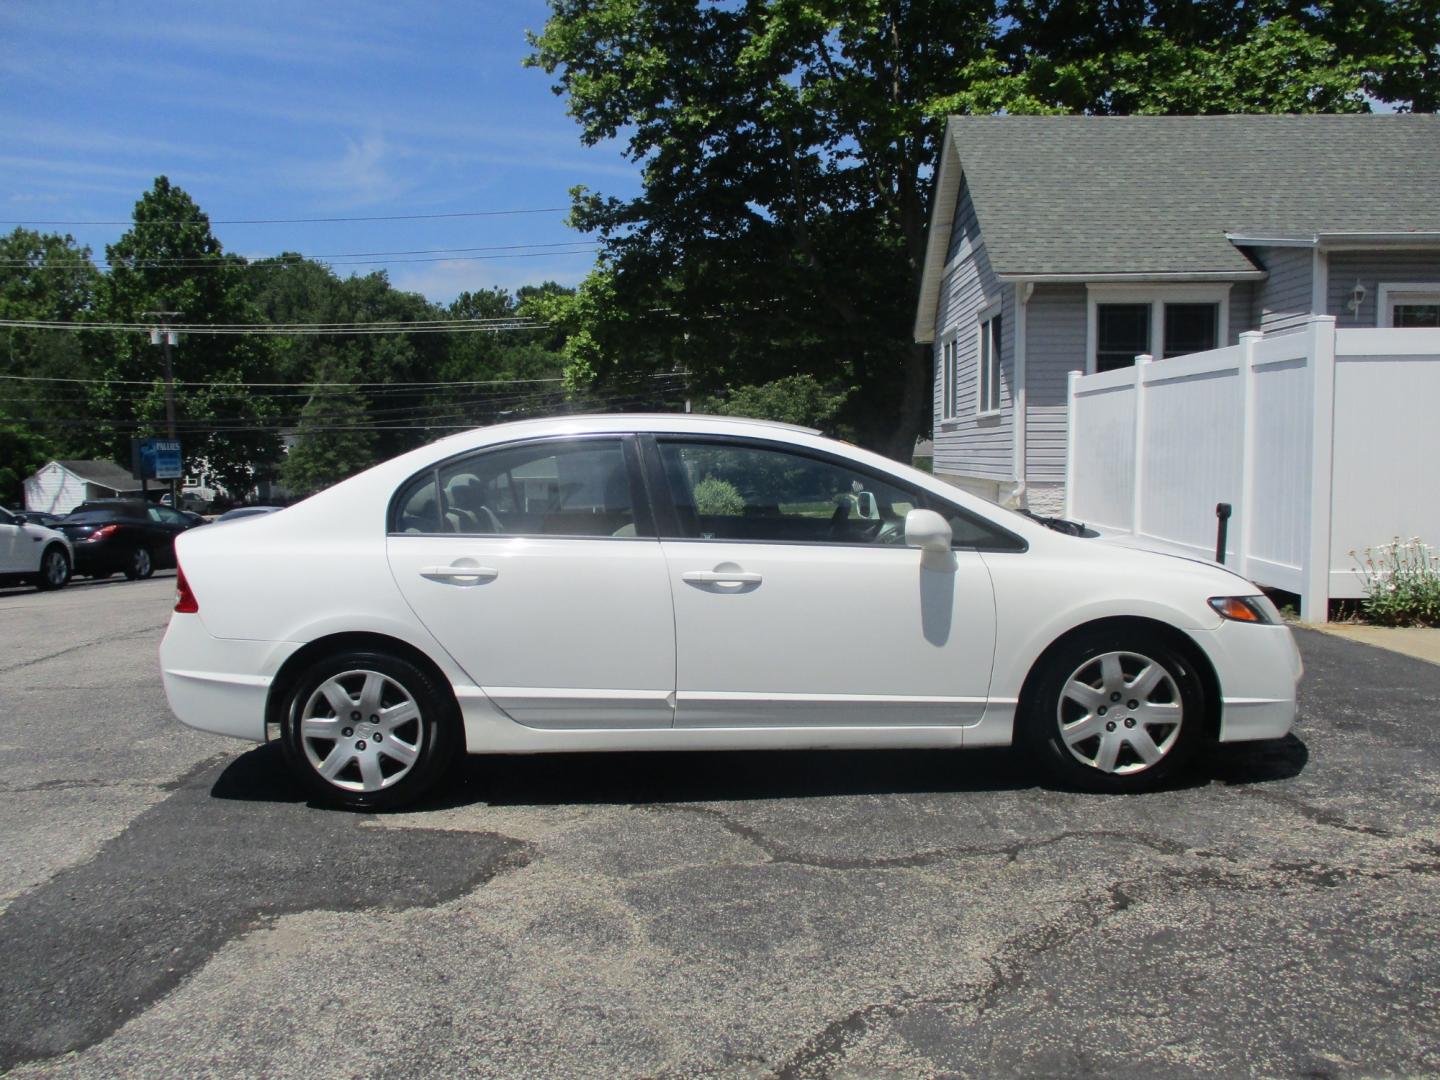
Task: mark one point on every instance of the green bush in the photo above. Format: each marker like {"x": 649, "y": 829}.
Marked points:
{"x": 716, "y": 497}
{"x": 1402, "y": 583}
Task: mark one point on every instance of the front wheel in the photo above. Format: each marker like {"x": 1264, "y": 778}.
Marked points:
{"x": 141, "y": 565}
{"x": 369, "y": 730}
{"x": 1114, "y": 712}
{"x": 54, "y": 569}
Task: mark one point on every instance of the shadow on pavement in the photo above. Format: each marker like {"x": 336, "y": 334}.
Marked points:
{"x": 736, "y": 776}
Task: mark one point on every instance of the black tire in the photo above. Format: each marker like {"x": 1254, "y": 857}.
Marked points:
{"x": 140, "y": 565}
{"x": 434, "y": 738}
{"x": 1104, "y": 746}
{"x": 54, "y": 569}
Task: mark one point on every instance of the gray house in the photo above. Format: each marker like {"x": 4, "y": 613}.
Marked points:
{"x": 1076, "y": 243}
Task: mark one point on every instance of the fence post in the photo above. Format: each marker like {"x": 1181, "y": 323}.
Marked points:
{"x": 1245, "y": 535}
{"x": 1315, "y": 600}
{"x": 1069, "y": 511}
{"x": 1137, "y": 474}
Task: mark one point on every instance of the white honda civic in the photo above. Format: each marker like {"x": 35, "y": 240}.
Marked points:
{"x": 697, "y": 583}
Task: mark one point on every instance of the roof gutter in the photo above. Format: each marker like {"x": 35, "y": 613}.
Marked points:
{"x": 1340, "y": 241}
{"x": 1083, "y": 279}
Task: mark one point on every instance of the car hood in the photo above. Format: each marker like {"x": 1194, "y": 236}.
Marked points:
{"x": 1131, "y": 543}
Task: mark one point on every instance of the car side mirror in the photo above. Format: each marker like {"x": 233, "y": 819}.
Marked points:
{"x": 928, "y": 531}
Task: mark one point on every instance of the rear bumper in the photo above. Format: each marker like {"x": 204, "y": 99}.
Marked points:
{"x": 1258, "y": 668}
{"x": 219, "y": 685}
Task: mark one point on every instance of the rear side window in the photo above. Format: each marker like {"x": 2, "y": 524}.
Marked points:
{"x": 575, "y": 487}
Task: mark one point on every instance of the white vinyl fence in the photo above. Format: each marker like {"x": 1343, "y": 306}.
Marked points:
{"x": 1323, "y": 442}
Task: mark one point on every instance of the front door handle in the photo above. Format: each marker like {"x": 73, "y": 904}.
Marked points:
{"x": 459, "y": 575}
{"x": 721, "y": 577}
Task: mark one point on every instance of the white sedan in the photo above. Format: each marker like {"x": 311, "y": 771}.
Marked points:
{"x": 33, "y": 554}
{"x": 697, "y": 583}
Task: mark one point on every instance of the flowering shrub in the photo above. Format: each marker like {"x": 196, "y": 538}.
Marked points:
{"x": 1402, "y": 583}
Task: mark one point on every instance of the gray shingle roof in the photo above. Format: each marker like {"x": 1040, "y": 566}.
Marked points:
{"x": 1157, "y": 194}
{"x": 105, "y": 473}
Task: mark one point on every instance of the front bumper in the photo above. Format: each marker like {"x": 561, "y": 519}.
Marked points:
{"x": 219, "y": 685}
{"x": 1258, "y": 668}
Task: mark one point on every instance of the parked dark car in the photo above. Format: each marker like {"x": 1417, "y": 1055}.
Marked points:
{"x": 246, "y": 511}
{"x": 37, "y": 517}
{"x": 124, "y": 535}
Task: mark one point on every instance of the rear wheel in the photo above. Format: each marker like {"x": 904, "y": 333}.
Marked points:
{"x": 1114, "y": 712}
{"x": 369, "y": 730}
{"x": 54, "y": 568}
{"x": 141, "y": 564}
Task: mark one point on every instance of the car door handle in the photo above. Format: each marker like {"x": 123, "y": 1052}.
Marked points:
{"x": 721, "y": 577}
{"x": 459, "y": 575}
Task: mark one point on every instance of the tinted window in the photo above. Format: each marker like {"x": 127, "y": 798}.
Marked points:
{"x": 558, "y": 488}
{"x": 166, "y": 516}
{"x": 5, "y": 518}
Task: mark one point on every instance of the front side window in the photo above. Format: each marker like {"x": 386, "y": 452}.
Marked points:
{"x": 557, "y": 488}
{"x": 739, "y": 492}
{"x": 989, "y": 391}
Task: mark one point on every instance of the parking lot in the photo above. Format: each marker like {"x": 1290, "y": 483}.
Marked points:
{"x": 170, "y": 906}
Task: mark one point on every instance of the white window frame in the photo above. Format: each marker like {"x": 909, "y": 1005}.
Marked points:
{"x": 949, "y": 370}
{"x": 987, "y": 367}
{"x": 1390, "y": 293}
{"x": 1157, "y": 296}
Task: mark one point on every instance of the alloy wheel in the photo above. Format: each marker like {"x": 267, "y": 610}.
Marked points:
{"x": 55, "y": 568}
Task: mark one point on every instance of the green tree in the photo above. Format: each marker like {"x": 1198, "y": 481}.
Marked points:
{"x": 786, "y": 148}
{"x": 170, "y": 261}
{"x": 795, "y": 399}
{"x": 45, "y": 277}
{"x": 333, "y": 439}
{"x": 22, "y": 452}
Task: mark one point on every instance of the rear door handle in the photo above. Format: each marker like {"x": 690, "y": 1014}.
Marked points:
{"x": 459, "y": 575}
{"x": 721, "y": 577}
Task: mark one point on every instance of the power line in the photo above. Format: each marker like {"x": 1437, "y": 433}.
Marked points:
{"x": 203, "y": 220}
{"x": 289, "y": 257}
{"x": 432, "y": 326}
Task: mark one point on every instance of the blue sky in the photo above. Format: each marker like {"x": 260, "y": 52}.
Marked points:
{"x": 301, "y": 110}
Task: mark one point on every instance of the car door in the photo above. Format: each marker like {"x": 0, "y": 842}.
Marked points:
{"x": 15, "y": 546}
{"x": 797, "y": 601}
{"x": 168, "y": 525}
{"x": 536, "y": 566}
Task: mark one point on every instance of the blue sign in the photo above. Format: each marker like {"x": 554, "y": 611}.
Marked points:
{"x": 158, "y": 459}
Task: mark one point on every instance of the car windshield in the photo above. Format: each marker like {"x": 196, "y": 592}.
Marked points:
{"x": 85, "y": 515}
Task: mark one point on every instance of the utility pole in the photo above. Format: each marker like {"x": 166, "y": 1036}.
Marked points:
{"x": 165, "y": 337}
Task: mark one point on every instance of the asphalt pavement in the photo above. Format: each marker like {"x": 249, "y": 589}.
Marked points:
{"x": 170, "y": 906}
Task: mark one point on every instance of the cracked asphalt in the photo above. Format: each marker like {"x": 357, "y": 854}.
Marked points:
{"x": 170, "y": 906}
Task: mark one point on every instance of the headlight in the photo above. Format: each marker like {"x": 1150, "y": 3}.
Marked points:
{"x": 1251, "y": 609}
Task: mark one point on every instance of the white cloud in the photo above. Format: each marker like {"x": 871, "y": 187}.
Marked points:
{"x": 443, "y": 281}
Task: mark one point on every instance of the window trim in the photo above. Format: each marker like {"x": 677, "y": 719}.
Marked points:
{"x": 1390, "y": 293}
{"x": 1157, "y": 296}
{"x": 949, "y": 362}
{"x": 984, "y": 322}
{"x": 668, "y": 518}
{"x": 639, "y": 491}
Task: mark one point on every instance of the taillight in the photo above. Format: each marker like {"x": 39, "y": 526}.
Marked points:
{"x": 104, "y": 531}
{"x": 185, "y": 601}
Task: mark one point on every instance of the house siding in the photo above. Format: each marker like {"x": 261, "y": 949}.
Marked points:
{"x": 969, "y": 446}
{"x": 1284, "y": 298}
{"x": 54, "y": 490}
{"x": 1244, "y": 310}
{"x": 1373, "y": 269}
{"x": 1054, "y": 346}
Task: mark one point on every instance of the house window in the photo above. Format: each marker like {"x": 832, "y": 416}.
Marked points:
{"x": 988, "y": 397}
{"x": 1158, "y": 320}
{"x": 1191, "y": 328}
{"x": 948, "y": 371}
{"x": 1410, "y": 305}
{"x": 1123, "y": 333}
